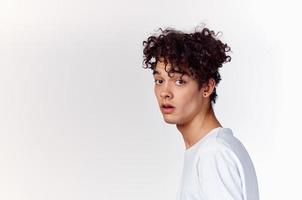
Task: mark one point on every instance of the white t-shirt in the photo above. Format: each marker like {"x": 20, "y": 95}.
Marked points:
{"x": 218, "y": 167}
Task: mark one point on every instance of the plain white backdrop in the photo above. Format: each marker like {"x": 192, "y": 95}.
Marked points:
{"x": 78, "y": 116}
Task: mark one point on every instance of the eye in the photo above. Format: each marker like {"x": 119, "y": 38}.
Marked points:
{"x": 156, "y": 80}
{"x": 182, "y": 81}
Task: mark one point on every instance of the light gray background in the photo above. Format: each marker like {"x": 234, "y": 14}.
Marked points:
{"x": 78, "y": 116}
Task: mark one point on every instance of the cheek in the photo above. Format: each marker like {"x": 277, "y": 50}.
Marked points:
{"x": 156, "y": 91}
{"x": 189, "y": 102}
{"x": 157, "y": 94}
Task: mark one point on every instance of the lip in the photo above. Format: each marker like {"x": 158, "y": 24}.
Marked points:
{"x": 166, "y": 105}
{"x": 167, "y": 110}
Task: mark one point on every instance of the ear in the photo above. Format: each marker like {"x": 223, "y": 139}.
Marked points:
{"x": 208, "y": 87}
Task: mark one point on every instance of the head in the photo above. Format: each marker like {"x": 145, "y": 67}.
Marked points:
{"x": 185, "y": 69}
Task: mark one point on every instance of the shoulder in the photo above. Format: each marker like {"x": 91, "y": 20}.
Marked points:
{"x": 222, "y": 148}
{"x": 223, "y": 138}
{"x": 219, "y": 168}
{"x": 218, "y": 172}
{"x": 218, "y": 154}
{"x": 224, "y": 168}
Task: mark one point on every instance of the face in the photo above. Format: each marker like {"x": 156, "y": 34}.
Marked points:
{"x": 182, "y": 94}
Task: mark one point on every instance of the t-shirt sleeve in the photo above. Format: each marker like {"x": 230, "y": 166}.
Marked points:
{"x": 218, "y": 175}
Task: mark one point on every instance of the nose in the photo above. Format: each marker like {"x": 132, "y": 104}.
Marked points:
{"x": 165, "y": 93}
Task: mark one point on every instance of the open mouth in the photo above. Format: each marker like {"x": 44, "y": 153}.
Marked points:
{"x": 167, "y": 106}
{"x": 167, "y": 109}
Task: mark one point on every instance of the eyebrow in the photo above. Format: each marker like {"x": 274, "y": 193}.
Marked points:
{"x": 176, "y": 72}
{"x": 155, "y": 72}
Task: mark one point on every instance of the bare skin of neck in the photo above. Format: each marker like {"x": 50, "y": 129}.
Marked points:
{"x": 198, "y": 127}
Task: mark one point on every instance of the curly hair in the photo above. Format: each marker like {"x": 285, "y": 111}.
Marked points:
{"x": 199, "y": 54}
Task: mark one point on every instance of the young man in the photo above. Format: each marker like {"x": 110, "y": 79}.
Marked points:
{"x": 185, "y": 70}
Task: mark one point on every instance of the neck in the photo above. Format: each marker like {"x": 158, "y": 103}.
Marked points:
{"x": 198, "y": 127}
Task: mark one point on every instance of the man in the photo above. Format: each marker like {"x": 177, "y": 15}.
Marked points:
{"x": 185, "y": 70}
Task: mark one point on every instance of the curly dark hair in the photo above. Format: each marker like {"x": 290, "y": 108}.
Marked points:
{"x": 199, "y": 54}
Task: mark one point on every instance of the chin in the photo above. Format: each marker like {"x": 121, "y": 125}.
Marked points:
{"x": 169, "y": 121}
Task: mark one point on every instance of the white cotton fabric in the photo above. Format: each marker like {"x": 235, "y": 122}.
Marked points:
{"x": 218, "y": 167}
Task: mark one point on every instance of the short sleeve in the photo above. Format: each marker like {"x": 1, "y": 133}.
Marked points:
{"x": 218, "y": 175}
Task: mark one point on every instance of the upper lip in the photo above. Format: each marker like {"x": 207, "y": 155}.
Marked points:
{"x": 166, "y": 104}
